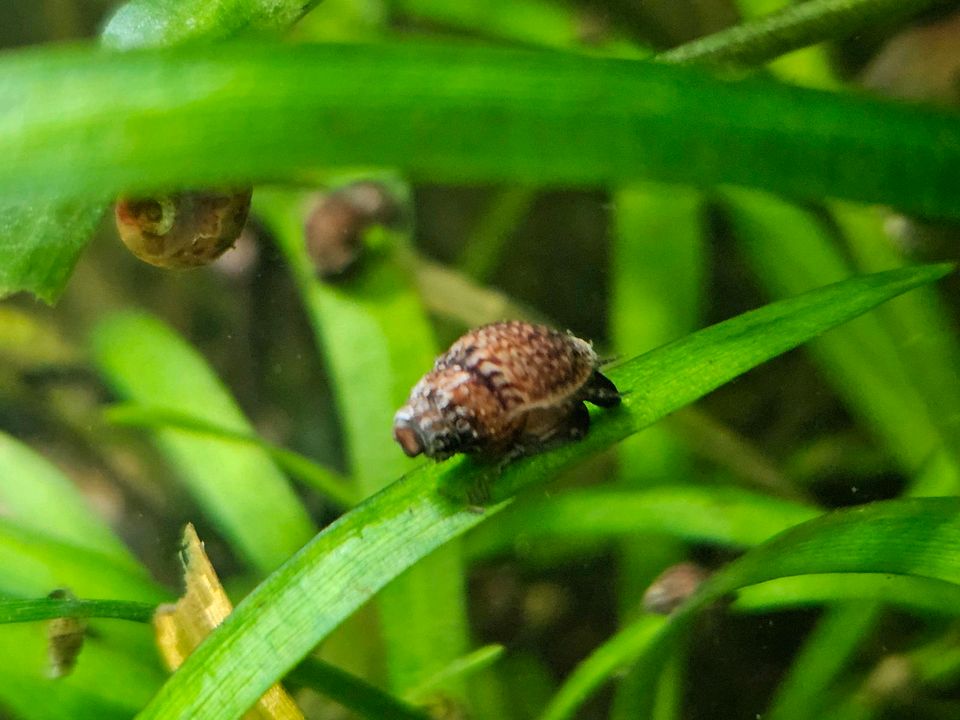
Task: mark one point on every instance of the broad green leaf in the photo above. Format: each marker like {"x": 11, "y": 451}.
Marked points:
{"x": 253, "y": 112}
{"x": 341, "y": 568}
{"x": 239, "y": 488}
{"x": 918, "y": 538}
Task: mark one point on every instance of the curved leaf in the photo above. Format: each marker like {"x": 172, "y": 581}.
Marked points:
{"x": 341, "y": 568}
{"x": 918, "y": 538}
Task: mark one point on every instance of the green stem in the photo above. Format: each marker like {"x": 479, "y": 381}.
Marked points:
{"x": 17, "y": 611}
{"x": 757, "y": 41}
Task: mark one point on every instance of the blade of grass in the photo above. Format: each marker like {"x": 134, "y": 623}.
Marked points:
{"x": 17, "y": 611}
{"x": 239, "y": 488}
{"x": 764, "y": 38}
{"x": 922, "y": 328}
{"x": 792, "y": 252}
{"x": 657, "y": 271}
{"x": 919, "y": 538}
{"x": 299, "y": 467}
{"x": 257, "y": 112}
{"x": 825, "y": 652}
{"x": 278, "y": 623}
{"x": 377, "y": 343}
{"x": 918, "y": 595}
{"x": 150, "y": 23}
{"x": 353, "y": 692}
{"x": 715, "y": 515}
{"x": 37, "y": 496}
{"x": 491, "y": 235}
{"x": 32, "y": 563}
{"x": 50, "y": 538}
{"x": 470, "y": 663}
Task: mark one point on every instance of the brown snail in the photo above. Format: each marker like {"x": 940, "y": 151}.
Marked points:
{"x": 185, "y": 229}
{"x": 503, "y": 389}
{"x": 334, "y": 229}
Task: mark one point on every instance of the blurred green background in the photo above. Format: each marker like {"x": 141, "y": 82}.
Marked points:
{"x": 868, "y": 412}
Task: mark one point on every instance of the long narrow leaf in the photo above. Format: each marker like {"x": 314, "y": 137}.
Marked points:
{"x": 238, "y": 487}
{"x": 918, "y": 538}
{"x": 80, "y": 121}
{"x": 298, "y": 605}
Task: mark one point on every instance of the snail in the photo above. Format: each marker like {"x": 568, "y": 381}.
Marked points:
{"x": 334, "y": 229}
{"x": 185, "y": 229}
{"x": 502, "y": 390}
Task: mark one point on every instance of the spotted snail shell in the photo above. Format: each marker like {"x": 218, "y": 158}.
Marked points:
{"x": 500, "y": 387}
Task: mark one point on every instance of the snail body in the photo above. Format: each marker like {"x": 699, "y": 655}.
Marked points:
{"x": 503, "y": 388}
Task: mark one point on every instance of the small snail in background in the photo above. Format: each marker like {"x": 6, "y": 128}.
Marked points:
{"x": 65, "y": 637}
{"x": 502, "y": 390}
{"x": 673, "y": 587}
{"x": 185, "y": 229}
{"x": 334, "y": 229}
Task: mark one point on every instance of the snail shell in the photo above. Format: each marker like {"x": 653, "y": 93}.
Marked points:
{"x": 185, "y": 229}
{"x": 503, "y": 387}
{"x": 334, "y": 229}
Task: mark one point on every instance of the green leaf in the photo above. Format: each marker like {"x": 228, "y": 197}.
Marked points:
{"x": 40, "y": 243}
{"x": 918, "y": 538}
{"x": 301, "y": 468}
{"x": 244, "y": 113}
{"x": 791, "y": 251}
{"x": 717, "y": 515}
{"x": 352, "y": 692}
{"x": 151, "y": 23}
{"x": 826, "y": 651}
{"x": 918, "y": 595}
{"x": 796, "y": 26}
{"x": 376, "y": 341}
{"x": 34, "y": 494}
{"x": 342, "y": 567}
{"x": 17, "y": 611}
{"x": 239, "y": 488}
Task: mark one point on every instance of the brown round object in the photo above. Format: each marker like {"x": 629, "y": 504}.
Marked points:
{"x": 505, "y": 387}
{"x": 673, "y": 586}
{"x": 185, "y": 229}
{"x": 334, "y": 229}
